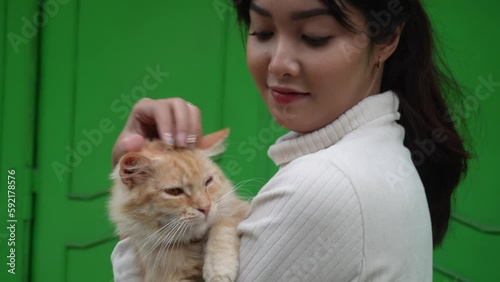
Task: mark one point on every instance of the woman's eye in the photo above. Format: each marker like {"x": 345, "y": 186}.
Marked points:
{"x": 262, "y": 35}
{"x": 174, "y": 191}
{"x": 316, "y": 41}
{"x": 209, "y": 181}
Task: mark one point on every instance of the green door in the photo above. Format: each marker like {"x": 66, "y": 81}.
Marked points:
{"x": 70, "y": 71}
{"x": 97, "y": 59}
{"x": 18, "y": 100}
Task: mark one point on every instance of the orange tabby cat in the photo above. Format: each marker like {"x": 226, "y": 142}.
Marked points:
{"x": 179, "y": 211}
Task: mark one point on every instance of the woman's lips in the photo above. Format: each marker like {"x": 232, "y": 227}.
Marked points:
{"x": 287, "y": 98}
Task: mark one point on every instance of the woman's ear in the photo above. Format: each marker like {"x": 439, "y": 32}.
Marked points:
{"x": 386, "y": 49}
{"x": 213, "y": 143}
{"x": 135, "y": 169}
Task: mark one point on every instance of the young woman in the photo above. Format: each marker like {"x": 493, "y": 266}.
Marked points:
{"x": 368, "y": 169}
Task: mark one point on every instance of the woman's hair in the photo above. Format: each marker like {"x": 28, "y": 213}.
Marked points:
{"x": 424, "y": 85}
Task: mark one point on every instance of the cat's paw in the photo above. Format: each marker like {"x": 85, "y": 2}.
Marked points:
{"x": 220, "y": 269}
{"x": 219, "y": 273}
{"x": 219, "y": 278}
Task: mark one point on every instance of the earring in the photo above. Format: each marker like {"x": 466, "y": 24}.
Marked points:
{"x": 379, "y": 64}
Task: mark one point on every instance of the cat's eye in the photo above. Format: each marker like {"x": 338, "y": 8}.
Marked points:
{"x": 209, "y": 181}
{"x": 174, "y": 191}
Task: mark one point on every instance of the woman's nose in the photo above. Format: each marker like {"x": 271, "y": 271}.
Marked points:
{"x": 283, "y": 60}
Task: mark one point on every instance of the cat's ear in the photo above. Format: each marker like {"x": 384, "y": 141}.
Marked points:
{"x": 213, "y": 143}
{"x": 135, "y": 169}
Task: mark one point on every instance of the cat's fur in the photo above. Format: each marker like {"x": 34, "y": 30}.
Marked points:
{"x": 186, "y": 237}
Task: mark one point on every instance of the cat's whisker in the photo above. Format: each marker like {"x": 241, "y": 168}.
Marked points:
{"x": 164, "y": 238}
{"x": 157, "y": 233}
{"x": 165, "y": 245}
{"x": 247, "y": 198}
{"x": 222, "y": 202}
{"x": 238, "y": 187}
{"x": 245, "y": 193}
{"x": 171, "y": 245}
{"x": 234, "y": 211}
{"x": 228, "y": 194}
{"x": 230, "y": 211}
{"x": 183, "y": 232}
{"x": 258, "y": 180}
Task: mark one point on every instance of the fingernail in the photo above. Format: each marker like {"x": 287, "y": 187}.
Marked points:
{"x": 167, "y": 137}
{"x": 191, "y": 140}
{"x": 180, "y": 139}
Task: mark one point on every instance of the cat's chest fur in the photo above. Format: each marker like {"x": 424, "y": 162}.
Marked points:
{"x": 169, "y": 262}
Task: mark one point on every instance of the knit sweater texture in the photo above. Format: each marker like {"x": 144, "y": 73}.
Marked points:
{"x": 346, "y": 204}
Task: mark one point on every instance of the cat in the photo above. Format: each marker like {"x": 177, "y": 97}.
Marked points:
{"x": 179, "y": 211}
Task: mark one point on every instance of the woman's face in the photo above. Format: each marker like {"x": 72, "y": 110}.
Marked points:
{"x": 295, "y": 46}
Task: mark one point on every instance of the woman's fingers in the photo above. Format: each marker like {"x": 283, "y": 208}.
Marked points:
{"x": 173, "y": 120}
{"x": 132, "y": 143}
{"x": 182, "y": 117}
{"x": 195, "y": 131}
{"x": 164, "y": 121}
{"x": 129, "y": 143}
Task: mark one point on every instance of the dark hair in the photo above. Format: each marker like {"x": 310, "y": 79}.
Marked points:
{"x": 424, "y": 85}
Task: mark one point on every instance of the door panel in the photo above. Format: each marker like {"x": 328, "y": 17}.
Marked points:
{"x": 98, "y": 59}
{"x": 18, "y": 56}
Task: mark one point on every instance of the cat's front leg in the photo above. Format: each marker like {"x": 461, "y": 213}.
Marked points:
{"x": 222, "y": 253}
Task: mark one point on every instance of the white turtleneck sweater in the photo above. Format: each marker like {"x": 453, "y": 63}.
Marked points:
{"x": 347, "y": 204}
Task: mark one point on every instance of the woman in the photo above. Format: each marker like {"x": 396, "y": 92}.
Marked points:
{"x": 367, "y": 171}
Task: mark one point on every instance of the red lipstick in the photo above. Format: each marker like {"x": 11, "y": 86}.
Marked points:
{"x": 285, "y": 96}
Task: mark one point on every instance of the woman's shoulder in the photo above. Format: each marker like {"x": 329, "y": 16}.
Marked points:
{"x": 374, "y": 167}
{"x": 308, "y": 184}
{"x": 376, "y": 189}
{"x": 377, "y": 165}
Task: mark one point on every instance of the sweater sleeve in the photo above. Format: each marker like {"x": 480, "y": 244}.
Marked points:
{"x": 124, "y": 263}
{"x": 304, "y": 225}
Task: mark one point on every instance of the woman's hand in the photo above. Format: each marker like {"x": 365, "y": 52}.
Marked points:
{"x": 174, "y": 120}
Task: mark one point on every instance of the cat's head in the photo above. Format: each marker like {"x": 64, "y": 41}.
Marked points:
{"x": 174, "y": 189}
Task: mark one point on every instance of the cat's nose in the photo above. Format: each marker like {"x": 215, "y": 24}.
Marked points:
{"x": 205, "y": 210}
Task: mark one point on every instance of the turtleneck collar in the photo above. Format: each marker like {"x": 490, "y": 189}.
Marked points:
{"x": 294, "y": 145}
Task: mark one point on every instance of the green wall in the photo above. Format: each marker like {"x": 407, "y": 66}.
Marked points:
{"x": 68, "y": 83}
{"x": 18, "y": 78}
{"x": 470, "y": 41}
